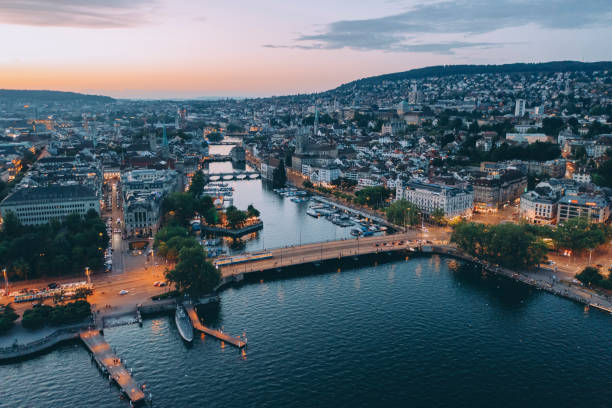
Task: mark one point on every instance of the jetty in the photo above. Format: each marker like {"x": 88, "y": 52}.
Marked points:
{"x": 195, "y": 320}
{"x": 110, "y": 364}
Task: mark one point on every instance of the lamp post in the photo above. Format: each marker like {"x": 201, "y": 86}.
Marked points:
{"x": 88, "y": 274}
{"x": 6, "y": 291}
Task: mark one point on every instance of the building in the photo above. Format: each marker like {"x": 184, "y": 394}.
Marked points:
{"x": 429, "y": 197}
{"x": 581, "y": 176}
{"x": 595, "y": 208}
{"x": 527, "y": 137}
{"x": 492, "y": 192}
{"x": 268, "y": 166}
{"x": 519, "y": 109}
{"x": 538, "y": 207}
{"x": 141, "y": 214}
{"x": 38, "y": 205}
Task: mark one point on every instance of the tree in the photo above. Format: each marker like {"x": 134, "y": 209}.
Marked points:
{"x": 193, "y": 274}
{"x": 7, "y": 318}
{"x": 197, "y": 184}
{"x": 307, "y": 184}
{"x": 372, "y": 196}
{"x": 509, "y": 245}
{"x": 437, "y": 216}
{"x": 403, "y": 212}
{"x": 279, "y": 176}
{"x": 234, "y": 216}
{"x": 252, "y": 211}
{"x": 579, "y": 234}
{"x": 590, "y": 276}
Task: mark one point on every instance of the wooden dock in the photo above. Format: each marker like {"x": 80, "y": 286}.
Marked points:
{"x": 108, "y": 361}
{"x": 195, "y": 320}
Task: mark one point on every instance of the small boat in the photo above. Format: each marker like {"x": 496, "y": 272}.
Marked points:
{"x": 183, "y": 324}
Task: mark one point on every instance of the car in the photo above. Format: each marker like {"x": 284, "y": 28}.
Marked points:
{"x": 550, "y": 262}
{"x": 156, "y": 283}
{"x": 52, "y": 285}
{"x": 123, "y": 292}
{"x": 162, "y": 284}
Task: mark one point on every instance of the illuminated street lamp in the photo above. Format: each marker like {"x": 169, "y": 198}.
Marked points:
{"x": 5, "y": 281}
{"x": 88, "y": 274}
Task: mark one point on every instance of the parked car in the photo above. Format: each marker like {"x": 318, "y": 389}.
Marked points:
{"x": 123, "y": 292}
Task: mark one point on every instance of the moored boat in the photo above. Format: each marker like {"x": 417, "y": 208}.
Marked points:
{"x": 183, "y": 324}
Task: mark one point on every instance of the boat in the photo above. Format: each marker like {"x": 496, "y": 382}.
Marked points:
{"x": 312, "y": 213}
{"x": 183, "y": 324}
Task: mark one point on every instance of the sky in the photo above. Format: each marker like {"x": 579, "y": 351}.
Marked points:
{"x": 196, "y": 48}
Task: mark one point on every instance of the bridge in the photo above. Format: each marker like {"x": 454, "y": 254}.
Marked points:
{"x": 324, "y": 251}
{"x": 236, "y": 175}
{"x": 218, "y": 334}
{"x": 217, "y": 158}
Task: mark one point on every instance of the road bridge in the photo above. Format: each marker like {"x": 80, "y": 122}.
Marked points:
{"x": 236, "y": 175}
{"x": 323, "y": 251}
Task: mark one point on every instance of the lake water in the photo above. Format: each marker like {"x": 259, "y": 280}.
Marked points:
{"x": 425, "y": 332}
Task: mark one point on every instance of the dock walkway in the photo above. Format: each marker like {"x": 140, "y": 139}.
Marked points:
{"x": 195, "y": 320}
{"x": 106, "y": 359}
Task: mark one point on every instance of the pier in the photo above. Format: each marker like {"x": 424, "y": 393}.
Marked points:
{"x": 195, "y": 320}
{"x": 111, "y": 364}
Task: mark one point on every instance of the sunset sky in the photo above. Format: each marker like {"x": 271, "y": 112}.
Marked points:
{"x": 163, "y": 48}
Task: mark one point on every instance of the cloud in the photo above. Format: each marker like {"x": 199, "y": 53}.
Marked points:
{"x": 465, "y": 17}
{"x": 75, "y": 13}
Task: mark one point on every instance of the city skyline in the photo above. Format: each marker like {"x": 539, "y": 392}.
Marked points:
{"x": 163, "y": 49}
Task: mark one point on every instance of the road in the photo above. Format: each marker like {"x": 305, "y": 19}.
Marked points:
{"x": 335, "y": 249}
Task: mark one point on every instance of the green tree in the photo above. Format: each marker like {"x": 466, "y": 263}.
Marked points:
{"x": 234, "y": 216}
{"x": 307, "y": 184}
{"x": 252, "y": 211}
{"x": 7, "y": 318}
{"x": 403, "y": 212}
{"x": 437, "y": 216}
{"x": 279, "y": 176}
{"x": 197, "y": 184}
{"x": 193, "y": 274}
{"x": 590, "y": 276}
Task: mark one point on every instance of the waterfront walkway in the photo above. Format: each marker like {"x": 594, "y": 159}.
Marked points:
{"x": 195, "y": 320}
{"x": 111, "y": 364}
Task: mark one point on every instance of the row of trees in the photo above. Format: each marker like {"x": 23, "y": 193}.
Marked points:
{"x": 374, "y": 197}
{"x": 538, "y": 151}
{"x": 509, "y": 245}
{"x": 53, "y": 249}
{"x": 181, "y": 208}
{"x": 61, "y": 314}
{"x": 236, "y": 217}
{"x": 524, "y": 245}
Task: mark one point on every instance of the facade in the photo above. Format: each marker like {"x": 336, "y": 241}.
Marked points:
{"x": 538, "y": 208}
{"x": 519, "y": 109}
{"x": 492, "y": 192}
{"x": 38, "y": 205}
{"x": 428, "y": 197}
{"x": 527, "y": 137}
{"x": 595, "y": 208}
{"x": 143, "y": 192}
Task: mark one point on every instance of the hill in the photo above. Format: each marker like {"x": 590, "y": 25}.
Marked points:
{"x": 38, "y": 97}
{"x": 449, "y": 70}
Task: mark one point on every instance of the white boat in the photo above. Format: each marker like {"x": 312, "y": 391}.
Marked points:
{"x": 312, "y": 213}
{"x": 183, "y": 324}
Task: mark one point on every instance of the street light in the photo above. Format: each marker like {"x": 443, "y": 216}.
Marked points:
{"x": 5, "y": 281}
{"x": 88, "y": 273}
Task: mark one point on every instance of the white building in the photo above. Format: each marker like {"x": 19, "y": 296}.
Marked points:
{"x": 519, "y": 109}
{"x": 527, "y": 137}
{"x": 581, "y": 177}
{"x": 38, "y": 205}
{"x": 538, "y": 208}
{"x": 428, "y": 197}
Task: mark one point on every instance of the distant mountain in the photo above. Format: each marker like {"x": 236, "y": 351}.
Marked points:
{"x": 448, "y": 70}
{"x": 37, "y": 97}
